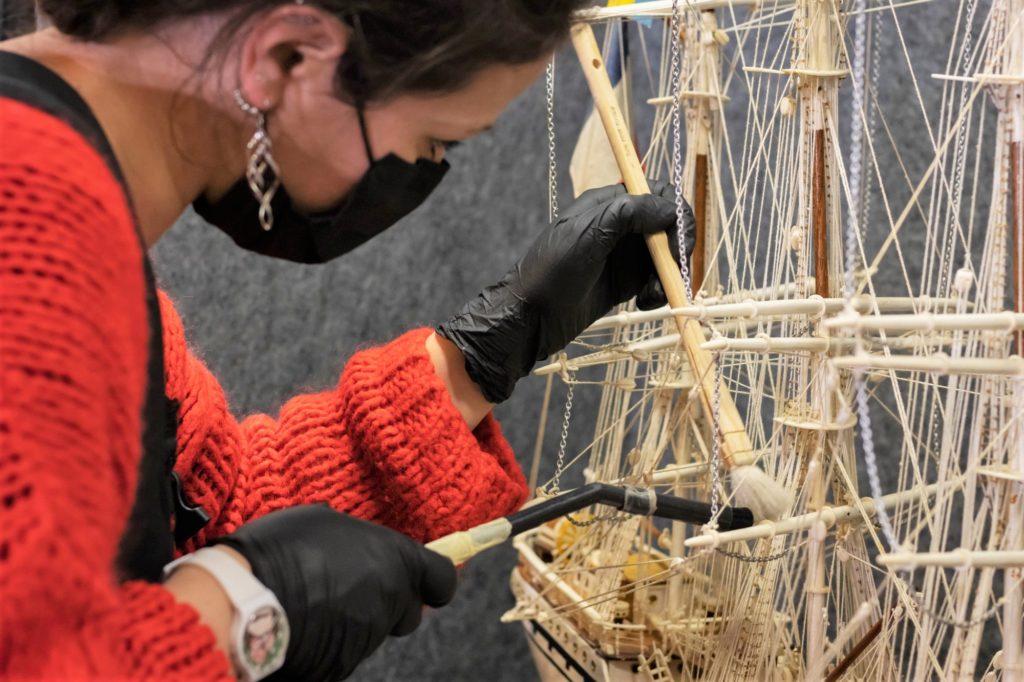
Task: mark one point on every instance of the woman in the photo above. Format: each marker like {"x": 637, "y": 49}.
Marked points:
{"x": 302, "y": 129}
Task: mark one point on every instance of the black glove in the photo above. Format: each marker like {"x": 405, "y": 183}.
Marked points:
{"x": 591, "y": 259}
{"x": 345, "y": 585}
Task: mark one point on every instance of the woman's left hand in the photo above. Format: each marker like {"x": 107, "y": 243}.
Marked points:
{"x": 591, "y": 259}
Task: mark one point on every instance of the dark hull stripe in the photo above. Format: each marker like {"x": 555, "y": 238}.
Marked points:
{"x": 569, "y": 661}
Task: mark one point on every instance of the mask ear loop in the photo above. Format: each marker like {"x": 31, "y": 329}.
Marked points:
{"x": 357, "y": 45}
{"x": 362, "y": 131}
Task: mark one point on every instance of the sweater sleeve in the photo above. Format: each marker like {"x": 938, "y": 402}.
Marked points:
{"x": 72, "y": 376}
{"x": 386, "y": 444}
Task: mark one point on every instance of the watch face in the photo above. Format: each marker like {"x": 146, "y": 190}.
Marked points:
{"x": 264, "y": 639}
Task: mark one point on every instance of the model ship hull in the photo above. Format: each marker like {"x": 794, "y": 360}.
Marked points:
{"x": 644, "y": 640}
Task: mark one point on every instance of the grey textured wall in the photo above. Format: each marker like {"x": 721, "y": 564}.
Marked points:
{"x": 269, "y": 329}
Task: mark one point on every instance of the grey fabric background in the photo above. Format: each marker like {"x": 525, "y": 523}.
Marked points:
{"x": 270, "y": 329}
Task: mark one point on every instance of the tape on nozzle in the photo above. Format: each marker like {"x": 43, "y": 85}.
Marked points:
{"x": 640, "y": 501}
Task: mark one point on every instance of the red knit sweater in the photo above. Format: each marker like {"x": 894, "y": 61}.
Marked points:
{"x": 386, "y": 444}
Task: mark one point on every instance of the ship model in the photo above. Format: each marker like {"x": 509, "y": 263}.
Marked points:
{"x": 759, "y": 385}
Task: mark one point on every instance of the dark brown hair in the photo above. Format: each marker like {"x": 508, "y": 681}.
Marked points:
{"x": 396, "y": 46}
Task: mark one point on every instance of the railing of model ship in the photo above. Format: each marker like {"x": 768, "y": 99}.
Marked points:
{"x": 752, "y": 308}
{"x": 958, "y": 558}
{"x": 938, "y": 363}
{"x": 1005, "y": 321}
{"x": 526, "y": 553}
{"x": 830, "y": 516}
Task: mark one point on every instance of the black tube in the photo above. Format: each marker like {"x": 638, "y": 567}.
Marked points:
{"x": 666, "y": 507}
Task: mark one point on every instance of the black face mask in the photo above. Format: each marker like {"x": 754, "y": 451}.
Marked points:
{"x": 389, "y": 190}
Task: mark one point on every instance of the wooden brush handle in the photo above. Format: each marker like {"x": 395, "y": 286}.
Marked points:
{"x": 736, "y": 448}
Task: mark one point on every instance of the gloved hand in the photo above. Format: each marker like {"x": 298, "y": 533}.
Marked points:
{"x": 591, "y": 259}
{"x": 345, "y": 584}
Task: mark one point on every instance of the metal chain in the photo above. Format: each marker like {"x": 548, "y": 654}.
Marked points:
{"x": 716, "y": 439}
{"x": 754, "y": 559}
{"x": 963, "y": 625}
{"x": 560, "y": 464}
{"x": 605, "y": 518}
{"x": 552, "y": 162}
{"x": 675, "y": 76}
{"x": 553, "y": 488}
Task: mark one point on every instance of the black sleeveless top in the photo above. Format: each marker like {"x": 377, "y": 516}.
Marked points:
{"x": 160, "y": 516}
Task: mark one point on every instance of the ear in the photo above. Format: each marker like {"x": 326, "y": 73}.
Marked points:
{"x": 290, "y": 42}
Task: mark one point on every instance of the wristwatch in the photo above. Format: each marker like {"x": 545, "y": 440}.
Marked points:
{"x": 259, "y": 632}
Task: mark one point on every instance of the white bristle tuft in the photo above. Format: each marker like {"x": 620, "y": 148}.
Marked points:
{"x": 759, "y": 492}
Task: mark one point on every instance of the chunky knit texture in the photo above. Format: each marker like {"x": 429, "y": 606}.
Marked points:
{"x": 386, "y": 444}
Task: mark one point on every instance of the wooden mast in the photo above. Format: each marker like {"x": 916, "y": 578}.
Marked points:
{"x": 701, "y": 96}
{"x": 700, "y": 203}
{"x": 819, "y": 202}
{"x": 817, "y": 77}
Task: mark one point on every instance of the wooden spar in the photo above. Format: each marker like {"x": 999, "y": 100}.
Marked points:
{"x": 603, "y": 357}
{"x": 830, "y": 516}
{"x": 755, "y": 344}
{"x": 762, "y": 343}
{"x": 700, "y": 204}
{"x": 710, "y": 307}
{"x": 862, "y": 644}
{"x": 1017, "y": 227}
{"x": 736, "y": 447}
{"x": 819, "y": 205}
{"x": 841, "y": 639}
{"x": 958, "y": 558}
{"x": 939, "y": 363}
{"x": 1002, "y": 321}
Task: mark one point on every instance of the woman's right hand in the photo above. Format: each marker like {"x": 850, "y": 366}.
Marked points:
{"x": 345, "y": 584}
{"x": 592, "y": 258}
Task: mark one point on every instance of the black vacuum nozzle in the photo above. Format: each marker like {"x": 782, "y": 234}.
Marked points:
{"x": 642, "y": 501}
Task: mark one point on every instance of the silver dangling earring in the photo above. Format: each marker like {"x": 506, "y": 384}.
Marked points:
{"x": 260, "y": 161}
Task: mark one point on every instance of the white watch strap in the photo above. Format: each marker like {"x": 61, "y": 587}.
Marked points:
{"x": 254, "y": 655}
{"x": 240, "y": 586}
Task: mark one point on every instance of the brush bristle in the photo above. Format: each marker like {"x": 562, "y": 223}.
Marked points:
{"x": 759, "y": 492}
